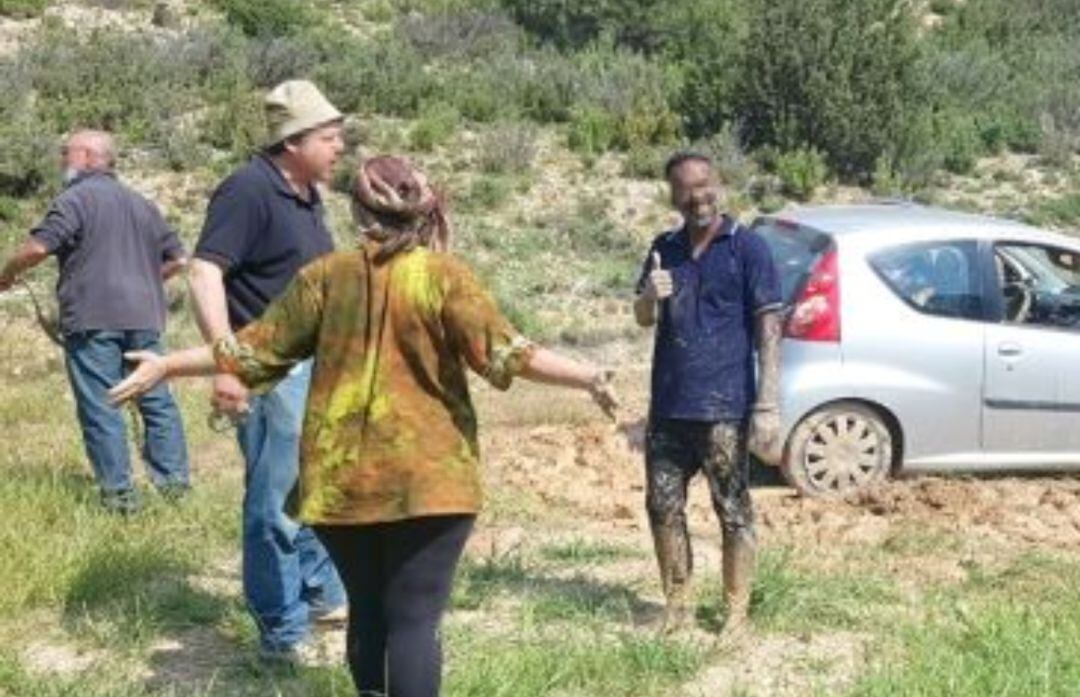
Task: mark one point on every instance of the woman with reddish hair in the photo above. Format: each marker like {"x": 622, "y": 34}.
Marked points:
{"x": 388, "y": 462}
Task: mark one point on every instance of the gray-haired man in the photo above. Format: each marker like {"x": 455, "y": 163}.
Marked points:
{"x": 114, "y": 250}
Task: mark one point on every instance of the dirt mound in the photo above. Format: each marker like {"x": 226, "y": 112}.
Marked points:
{"x": 596, "y": 469}
{"x": 1040, "y": 511}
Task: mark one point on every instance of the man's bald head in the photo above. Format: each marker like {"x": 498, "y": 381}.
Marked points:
{"x": 89, "y": 151}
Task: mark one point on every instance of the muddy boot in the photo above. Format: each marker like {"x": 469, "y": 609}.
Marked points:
{"x": 673, "y": 554}
{"x": 739, "y": 555}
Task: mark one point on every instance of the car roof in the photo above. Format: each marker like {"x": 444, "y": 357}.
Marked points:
{"x": 889, "y": 222}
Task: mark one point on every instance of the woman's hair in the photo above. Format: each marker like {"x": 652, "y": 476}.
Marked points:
{"x": 393, "y": 203}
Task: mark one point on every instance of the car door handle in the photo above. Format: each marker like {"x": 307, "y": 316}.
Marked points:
{"x": 1010, "y": 349}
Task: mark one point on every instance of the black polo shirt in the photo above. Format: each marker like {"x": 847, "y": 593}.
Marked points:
{"x": 260, "y": 232}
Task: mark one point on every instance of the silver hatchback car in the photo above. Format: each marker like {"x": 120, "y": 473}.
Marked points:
{"x": 923, "y": 339}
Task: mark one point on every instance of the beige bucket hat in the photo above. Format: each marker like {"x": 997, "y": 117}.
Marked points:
{"x": 296, "y": 106}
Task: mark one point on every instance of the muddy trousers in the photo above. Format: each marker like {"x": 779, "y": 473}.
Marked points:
{"x": 675, "y": 451}
{"x": 398, "y": 578}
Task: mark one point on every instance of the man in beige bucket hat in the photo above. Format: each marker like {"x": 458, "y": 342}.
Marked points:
{"x": 264, "y": 222}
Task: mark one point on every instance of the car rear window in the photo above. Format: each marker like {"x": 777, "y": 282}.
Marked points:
{"x": 795, "y": 249}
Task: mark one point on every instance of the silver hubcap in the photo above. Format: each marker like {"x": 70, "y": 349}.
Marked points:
{"x": 844, "y": 453}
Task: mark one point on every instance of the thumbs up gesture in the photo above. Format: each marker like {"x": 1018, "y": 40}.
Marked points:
{"x": 659, "y": 285}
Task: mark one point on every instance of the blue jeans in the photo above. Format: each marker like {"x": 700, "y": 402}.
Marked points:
{"x": 287, "y": 573}
{"x": 95, "y": 362}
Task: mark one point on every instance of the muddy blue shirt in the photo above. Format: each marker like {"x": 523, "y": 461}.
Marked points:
{"x": 110, "y": 244}
{"x": 260, "y": 232}
{"x": 703, "y": 362}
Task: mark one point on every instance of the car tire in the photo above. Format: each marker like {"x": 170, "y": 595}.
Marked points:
{"x": 837, "y": 450}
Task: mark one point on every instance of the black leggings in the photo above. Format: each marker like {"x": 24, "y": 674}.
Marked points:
{"x": 398, "y": 577}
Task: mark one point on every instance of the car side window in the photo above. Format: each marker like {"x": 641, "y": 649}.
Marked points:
{"x": 1039, "y": 285}
{"x": 936, "y": 278}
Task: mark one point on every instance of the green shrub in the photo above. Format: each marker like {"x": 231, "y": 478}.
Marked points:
{"x": 1058, "y": 211}
{"x": 644, "y": 163}
{"x": 1019, "y": 65}
{"x": 730, "y": 162}
{"x": 708, "y": 43}
{"x": 960, "y": 143}
{"x": 273, "y": 59}
{"x": 643, "y": 127}
{"x": 28, "y": 159}
{"x": 131, "y": 84}
{"x": 592, "y": 131}
{"x": 488, "y": 193}
{"x": 546, "y": 87}
{"x": 942, "y": 7}
{"x": 9, "y": 209}
{"x": 508, "y": 147}
{"x": 648, "y": 26}
{"x": 1058, "y": 144}
{"x": 468, "y": 34}
{"x": 179, "y": 147}
{"x": 802, "y": 172}
{"x": 265, "y": 18}
{"x": 237, "y": 124}
{"x": 579, "y": 23}
{"x": 381, "y": 75}
{"x": 21, "y": 9}
{"x": 885, "y": 181}
{"x": 837, "y": 74}
{"x": 435, "y": 127}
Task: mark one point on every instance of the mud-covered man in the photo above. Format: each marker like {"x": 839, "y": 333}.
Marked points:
{"x": 712, "y": 290}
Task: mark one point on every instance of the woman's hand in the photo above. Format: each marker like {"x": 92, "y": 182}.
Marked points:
{"x": 603, "y": 393}
{"x": 151, "y": 370}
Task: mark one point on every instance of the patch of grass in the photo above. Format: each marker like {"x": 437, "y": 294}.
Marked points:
{"x": 916, "y": 541}
{"x": 508, "y": 147}
{"x": 543, "y": 597}
{"x": 478, "y": 582}
{"x": 979, "y": 643}
{"x": 629, "y": 665}
{"x": 488, "y": 193}
{"x": 578, "y": 599}
{"x": 786, "y": 599}
{"x": 581, "y": 551}
{"x": 434, "y": 128}
{"x": 1057, "y": 211}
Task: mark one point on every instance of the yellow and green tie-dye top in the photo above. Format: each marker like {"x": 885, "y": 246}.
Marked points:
{"x": 390, "y": 430}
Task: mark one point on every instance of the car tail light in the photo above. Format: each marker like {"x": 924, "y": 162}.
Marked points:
{"x": 816, "y": 313}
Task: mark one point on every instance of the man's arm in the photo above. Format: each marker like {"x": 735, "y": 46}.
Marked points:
{"x": 30, "y": 254}
{"x": 768, "y": 331}
{"x": 206, "y": 281}
{"x": 765, "y": 418}
{"x": 207, "y": 284}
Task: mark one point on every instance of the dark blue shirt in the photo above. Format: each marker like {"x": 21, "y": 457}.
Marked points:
{"x": 703, "y": 363}
{"x": 110, "y": 244}
{"x": 260, "y": 232}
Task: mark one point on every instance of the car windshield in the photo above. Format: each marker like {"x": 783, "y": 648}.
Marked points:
{"x": 1034, "y": 261}
{"x": 795, "y": 249}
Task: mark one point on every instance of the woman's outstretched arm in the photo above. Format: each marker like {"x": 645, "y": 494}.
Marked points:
{"x": 153, "y": 368}
{"x": 547, "y": 366}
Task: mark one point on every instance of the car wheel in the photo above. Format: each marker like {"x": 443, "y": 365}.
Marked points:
{"x": 838, "y": 449}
